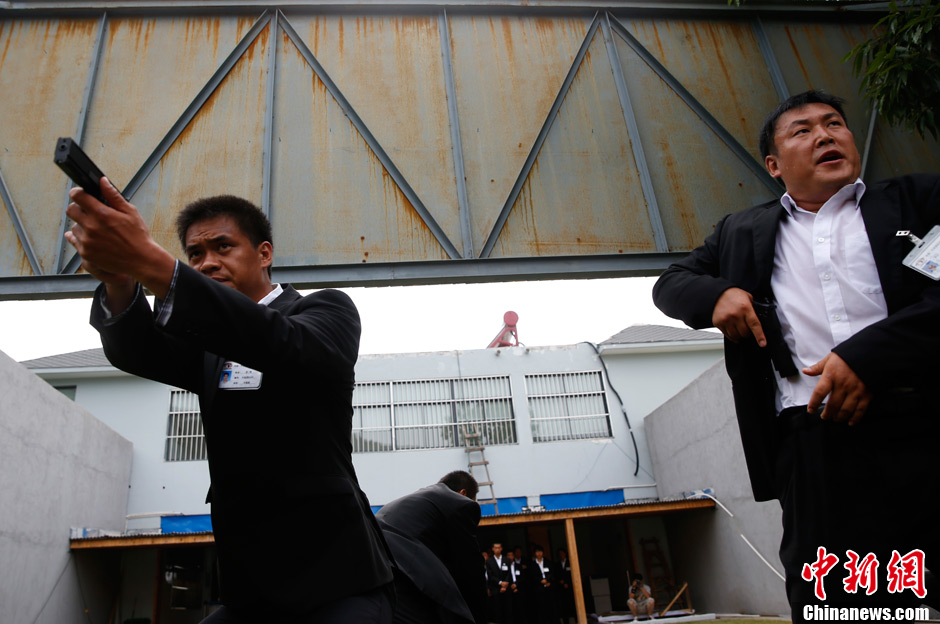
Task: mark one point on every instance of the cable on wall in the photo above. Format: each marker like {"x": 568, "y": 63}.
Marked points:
{"x": 623, "y": 409}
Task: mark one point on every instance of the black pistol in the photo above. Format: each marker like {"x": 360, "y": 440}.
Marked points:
{"x": 779, "y": 352}
{"x": 78, "y": 166}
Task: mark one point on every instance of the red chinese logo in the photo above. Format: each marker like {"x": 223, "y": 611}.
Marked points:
{"x": 862, "y": 573}
{"x": 903, "y": 572}
{"x": 819, "y": 569}
{"x": 907, "y": 572}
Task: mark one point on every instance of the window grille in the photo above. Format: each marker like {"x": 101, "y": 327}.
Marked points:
{"x": 431, "y": 413}
{"x": 567, "y": 406}
{"x": 184, "y": 436}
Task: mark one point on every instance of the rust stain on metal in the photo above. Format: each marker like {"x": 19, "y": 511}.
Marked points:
{"x": 796, "y": 54}
{"x": 6, "y": 45}
{"x": 341, "y": 31}
{"x": 238, "y": 73}
{"x": 507, "y": 32}
{"x": 136, "y": 27}
{"x": 851, "y": 35}
{"x": 678, "y": 199}
{"x": 214, "y": 33}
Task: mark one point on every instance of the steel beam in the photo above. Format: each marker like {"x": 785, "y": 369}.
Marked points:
{"x": 697, "y": 108}
{"x": 539, "y": 141}
{"x": 268, "y": 143}
{"x": 458, "y": 271}
{"x": 646, "y": 181}
{"x": 194, "y": 107}
{"x": 80, "y": 134}
{"x": 463, "y": 204}
{"x": 690, "y": 6}
{"x": 770, "y": 59}
{"x": 18, "y": 227}
{"x": 371, "y": 141}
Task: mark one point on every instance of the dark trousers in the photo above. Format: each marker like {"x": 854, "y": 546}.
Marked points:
{"x": 870, "y": 488}
{"x": 371, "y": 607}
{"x": 543, "y": 603}
{"x": 501, "y": 606}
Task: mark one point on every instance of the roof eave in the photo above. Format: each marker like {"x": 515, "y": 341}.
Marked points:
{"x": 676, "y": 346}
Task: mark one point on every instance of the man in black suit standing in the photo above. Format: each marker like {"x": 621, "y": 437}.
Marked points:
{"x": 541, "y": 585}
{"x": 498, "y": 579}
{"x": 274, "y": 375}
{"x": 432, "y": 534}
{"x": 831, "y": 401}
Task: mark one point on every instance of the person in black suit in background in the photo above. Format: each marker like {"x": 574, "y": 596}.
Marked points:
{"x": 830, "y": 343}
{"x": 541, "y": 586}
{"x": 274, "y": 375}
{"x": 432, "y": 534}
{"x": 565, "y": 591}
{"x": 516, "y": 588}
{"x": 498, "y": 580}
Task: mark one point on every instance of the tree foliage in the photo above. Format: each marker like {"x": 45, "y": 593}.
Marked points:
{"x": 900, "y": 66}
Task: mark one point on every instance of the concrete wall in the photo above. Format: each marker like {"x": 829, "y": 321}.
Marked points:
{"x": 695, "y": 444}
{"x": 137, "y": 409}
{"x": 59, "y": 467}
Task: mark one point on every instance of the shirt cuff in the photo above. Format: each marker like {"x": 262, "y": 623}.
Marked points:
{"x": 163, "y": 308}
{"x": 109, "y": 318}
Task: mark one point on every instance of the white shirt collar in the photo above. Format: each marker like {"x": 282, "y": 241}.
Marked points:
{"x": 271, "y": 296}
{"x": 857, "y": 187}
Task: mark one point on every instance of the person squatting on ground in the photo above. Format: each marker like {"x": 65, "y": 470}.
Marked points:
{"x": 640, "y": 600}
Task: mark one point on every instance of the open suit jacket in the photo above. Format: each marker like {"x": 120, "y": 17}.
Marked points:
{"x": 890, "y": 353}
{"x": 432, "y": 534}
{"x": 292, "y": 527}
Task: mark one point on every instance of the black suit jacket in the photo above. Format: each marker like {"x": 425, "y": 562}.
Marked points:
{"x": 432, "y": 534}
{"x": 497, "y": 573}
{"x": 740, "y": 253}
{"x": 535, "y": 576}
{"x": 291, "y": 525}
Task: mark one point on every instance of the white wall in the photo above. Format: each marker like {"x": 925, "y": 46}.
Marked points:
{"x": 137, "y": 409}
{"x": 523, "y": 469}
{"x": 59, "y": 467}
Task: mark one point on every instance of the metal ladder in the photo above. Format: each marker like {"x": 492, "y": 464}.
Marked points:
{"x": 473, "y": 443}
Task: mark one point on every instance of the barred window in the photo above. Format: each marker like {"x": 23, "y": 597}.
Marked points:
{"x": 567, "y": 406}
{"x": 184, "y": 437}
{"x": 432, "y": 413}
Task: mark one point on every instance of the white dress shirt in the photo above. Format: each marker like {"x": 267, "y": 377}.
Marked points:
{"x": 825, "y": 282}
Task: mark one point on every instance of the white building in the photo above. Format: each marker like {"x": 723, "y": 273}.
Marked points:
{"x": 565, "y": 444}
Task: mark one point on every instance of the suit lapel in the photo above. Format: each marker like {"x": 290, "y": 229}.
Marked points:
{"x": 882, "y": 215}
{"x": 766, "y": 222}
{"x": 212, "y": 363}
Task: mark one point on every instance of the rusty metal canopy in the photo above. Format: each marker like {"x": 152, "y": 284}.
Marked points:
{"x": 416, "y": 143}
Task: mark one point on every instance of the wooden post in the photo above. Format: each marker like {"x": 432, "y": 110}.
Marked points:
{"x": 577, "y": 589}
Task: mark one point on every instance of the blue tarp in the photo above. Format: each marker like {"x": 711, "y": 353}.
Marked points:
{"x": 506, "y": 506}
{"x": 186, "y": 524}
{"x": 577, "y": 500}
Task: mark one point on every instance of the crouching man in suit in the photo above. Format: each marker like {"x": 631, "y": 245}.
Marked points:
{"x": 831, "y": 344}
{"x": 432, "y": 533}
{"x": 274, "y": 375}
